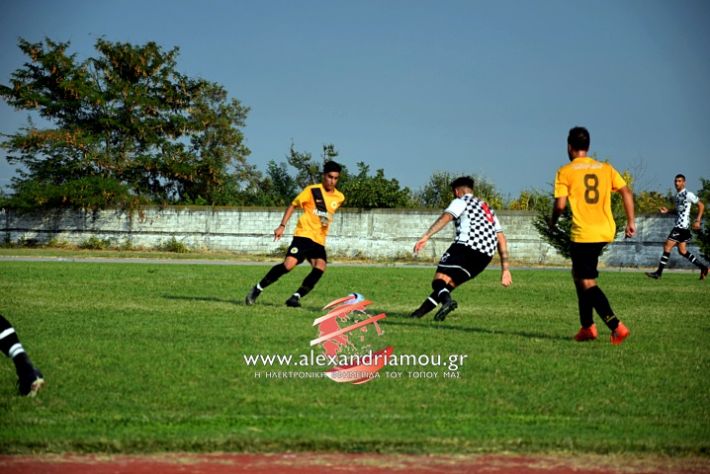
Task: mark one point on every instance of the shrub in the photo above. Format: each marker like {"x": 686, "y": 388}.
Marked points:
{"x": 173, "y": 245}
{"x": 95, "y": 243}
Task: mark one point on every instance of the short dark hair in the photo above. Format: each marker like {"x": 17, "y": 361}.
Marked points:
{"x": 331, "y": 166}
{"x": 680, "y": 176}
{"x": 462, "y": 181}
{"x": 578, "y": 138}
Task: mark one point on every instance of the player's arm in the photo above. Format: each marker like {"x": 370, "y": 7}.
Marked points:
{"x": 557, "y": 209}
{"x": 699, "y": 218}
{"x": 505, "y": 278}
{"x": 627, "y": 198}
{"x": 279, "y": 231}
{"x": 439, "y": 224}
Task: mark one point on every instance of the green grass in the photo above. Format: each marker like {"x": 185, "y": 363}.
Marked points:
{"x": 149, "y": 357}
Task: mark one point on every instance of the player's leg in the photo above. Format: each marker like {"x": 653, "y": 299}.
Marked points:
{"x": 316, "y": 254}
{"x": 682, "y": 249}
{"x": 30, "y": 379}
{"x": 585, "y": 260}
{"x": 445, "y": 280}
{"x": 293, "y": 258}
{"x": 464, "y": 265}
{"x": 587, "y": 331}
{"x": 667, "y": 248}
{"x": 318, "y": 266}
{"x": 441, "y": 285}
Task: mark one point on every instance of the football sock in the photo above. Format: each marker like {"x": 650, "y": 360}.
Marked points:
{"x": 309, "y": 282}
{"x": 10, "y": 345}
{"x": 428, "y": 304}
{"x": 598, "y": 299}
{"x": 586, "y": 310}
{"x": 276, "y": 272}
{"x": 693, "y": 260}
{"x": 441, "y": 293}
{"x": 662, "y": 263}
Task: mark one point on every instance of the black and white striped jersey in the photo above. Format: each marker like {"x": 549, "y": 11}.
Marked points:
{"x": 683, "y": 201}
{"x": 476, "y": 224}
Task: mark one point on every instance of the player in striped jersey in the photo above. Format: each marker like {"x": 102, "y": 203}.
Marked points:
{"x": 478, "y": 235}
{"x": 680, "y": 234}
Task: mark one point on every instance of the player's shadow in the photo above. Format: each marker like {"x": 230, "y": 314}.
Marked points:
{"x": 210, "y": 299}
{"x": 239, "y": 302}
{"x": 405, "y": 320}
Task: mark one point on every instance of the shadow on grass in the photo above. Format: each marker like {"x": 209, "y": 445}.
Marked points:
{"x": 210, "y": 299}
{"x": 404, "y": 320}
{"x": 240, "y": 302}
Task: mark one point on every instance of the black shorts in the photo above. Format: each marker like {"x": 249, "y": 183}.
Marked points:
{"x": 462, "y": 263}
{"x": 585, "y": 259}
{"x": 303, "y": 248}
{"x": 679, "y": 235}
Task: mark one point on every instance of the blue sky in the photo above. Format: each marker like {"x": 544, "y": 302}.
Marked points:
{"x": 414, "y": 87}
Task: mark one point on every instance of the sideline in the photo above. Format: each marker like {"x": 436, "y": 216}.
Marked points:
{"x": 196, "y": 261}
{"x": 271, "y": 262}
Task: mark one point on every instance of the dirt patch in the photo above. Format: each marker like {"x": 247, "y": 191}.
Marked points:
{"x": 313, "y": 463}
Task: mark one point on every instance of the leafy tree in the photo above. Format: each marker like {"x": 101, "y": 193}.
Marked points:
{"x": 277, "y": 188}
{"x": 648, "y": 202}
{"x": 368, "y": 192}
{"x": 125, "y": 126}
{"x": 530, "y": 200}
{"x": 437, "y": 192}
{"x": 308, "y": 171}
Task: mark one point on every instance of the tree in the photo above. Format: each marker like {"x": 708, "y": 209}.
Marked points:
{"x": 648, "y": 202}
{"x": 124, "y": 126}
{"x": 437, "y": 192}
{"x": 277, "y": 188}
{"x": 369, "y": 192}
{"x": 309, "y": 171}
{"x": 531, "y": 200}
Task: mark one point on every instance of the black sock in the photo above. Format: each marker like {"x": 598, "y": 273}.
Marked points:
{"x": 441, "y": 293}
{"x": 662, "y": 263}
{"x": 426, "y": 306}
{"x": 9, "y": 342}
{"x": 586, "y": 310}
{"x": 276, "y": 272}
{"x": 693, "y": 260}
{"x": 10, "y": 345}
{"x": 598, "y": 299}
{"x": 309, "y": 282}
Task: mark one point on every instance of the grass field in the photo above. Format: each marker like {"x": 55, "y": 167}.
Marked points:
{"x": 150, "y": 357}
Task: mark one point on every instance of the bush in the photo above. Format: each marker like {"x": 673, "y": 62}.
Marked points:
{"x": 174, "y": 245}
{"x": 95, "y": 243}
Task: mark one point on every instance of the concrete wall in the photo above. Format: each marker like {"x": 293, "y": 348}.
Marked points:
{"x": 380, "y": 233}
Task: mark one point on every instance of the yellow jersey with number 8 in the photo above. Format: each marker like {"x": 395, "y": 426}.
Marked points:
{"x": 588, "y": 184}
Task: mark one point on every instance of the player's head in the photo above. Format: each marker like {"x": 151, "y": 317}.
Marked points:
{"x": 462, "y": 185}
{"x": 679, "y": 182}
{"x": 577, "y": 141}
{"x": 331, "y": 174}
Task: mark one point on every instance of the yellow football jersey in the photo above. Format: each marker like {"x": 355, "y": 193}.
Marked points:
{"x": 318, "y": 208}
{"x": 588, "y": 185}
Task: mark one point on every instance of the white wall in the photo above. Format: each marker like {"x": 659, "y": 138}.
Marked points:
{"x": 379, "y": 233}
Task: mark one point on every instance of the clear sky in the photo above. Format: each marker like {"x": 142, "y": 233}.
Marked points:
{"x": 413, "y": 87}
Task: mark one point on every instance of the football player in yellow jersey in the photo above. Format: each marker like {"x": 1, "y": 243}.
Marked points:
{"x": 319, "y": 202}
{"x": 587, "y": 185}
